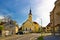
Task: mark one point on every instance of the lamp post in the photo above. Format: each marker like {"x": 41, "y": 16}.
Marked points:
{"x": 41, "y": 26}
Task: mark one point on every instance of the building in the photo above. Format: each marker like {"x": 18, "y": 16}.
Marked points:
{"x": 29, "y": 25}
{"x": 55, "y": 17}
{"x": 16, "y": 28}
{"x": 9, "y": 27}
{"x": 36, "y": 27}
{"x": 44, "y": 29}
{"x": 48, "y": 28}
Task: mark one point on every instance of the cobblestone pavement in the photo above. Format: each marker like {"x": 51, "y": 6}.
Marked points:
{"x": 11, "y": 37}
{"x": 31, "y": 36}
{"x": 52, "y": 38}
{"x": 22, "y": 37}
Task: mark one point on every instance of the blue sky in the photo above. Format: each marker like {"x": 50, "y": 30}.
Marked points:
{"x": 19, "y": 10}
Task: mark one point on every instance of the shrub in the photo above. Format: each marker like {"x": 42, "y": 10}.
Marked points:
{"x": 1, "y": 27}
{"x": 40, "y": 38}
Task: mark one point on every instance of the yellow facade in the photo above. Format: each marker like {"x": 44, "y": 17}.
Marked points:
{"x": 29, "y": 25}
{"x": 36, "y": 27}
{"x": 16, "y": 29}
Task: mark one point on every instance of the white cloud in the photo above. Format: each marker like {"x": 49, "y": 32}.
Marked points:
{"x": 38, "y": 20}
{"x": 41, "y": 9}
{"x": 1, "y": 17}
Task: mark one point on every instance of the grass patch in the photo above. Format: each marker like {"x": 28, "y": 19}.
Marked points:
{"x": 40, "y": 38}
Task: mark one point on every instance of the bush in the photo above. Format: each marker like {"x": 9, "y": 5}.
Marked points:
{"x": 40, "y": 38}
{"x": 1, "y": 27}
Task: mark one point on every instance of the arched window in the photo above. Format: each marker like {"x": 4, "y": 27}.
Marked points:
{"x": 30, "y": 29}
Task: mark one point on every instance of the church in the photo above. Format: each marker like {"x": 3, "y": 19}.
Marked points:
{"x": 30, "y": 25}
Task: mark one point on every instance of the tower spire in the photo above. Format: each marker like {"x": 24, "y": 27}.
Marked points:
{"x": 30, "y": 16}
{"x": 30, "y": 12}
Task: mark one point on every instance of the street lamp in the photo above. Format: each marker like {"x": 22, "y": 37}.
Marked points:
{"x": 41, "y": 26}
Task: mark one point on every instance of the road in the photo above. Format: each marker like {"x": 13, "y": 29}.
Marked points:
{"x": 30, "y": 36}
{"x": 23, "y": 37}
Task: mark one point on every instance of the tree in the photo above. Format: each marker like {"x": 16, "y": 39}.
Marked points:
{"x": 1, "y": 27}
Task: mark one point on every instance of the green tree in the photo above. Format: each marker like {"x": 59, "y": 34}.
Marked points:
{"x": 1, "y": 27}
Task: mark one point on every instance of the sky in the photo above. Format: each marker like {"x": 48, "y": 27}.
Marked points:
{"x": 19, "y": 10}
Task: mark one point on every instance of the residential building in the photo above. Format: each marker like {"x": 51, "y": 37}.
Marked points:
{"x": 55, "y": 17}
{"x": 9, "y": 26}
{"x": 44, "y": 29}
{"x": 16, "y": 28}
{"x": 48, "y": 28}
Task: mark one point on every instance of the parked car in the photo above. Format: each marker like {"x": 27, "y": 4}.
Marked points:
{"x": 26, "y": 32}
{"x": 20, "y": 32}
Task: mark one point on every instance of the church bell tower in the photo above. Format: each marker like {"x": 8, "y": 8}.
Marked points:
{"x": 30, "y": 16}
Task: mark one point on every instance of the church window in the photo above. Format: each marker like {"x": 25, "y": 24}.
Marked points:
{"x": 26, "y": 29}
{"x": 30, "y": 29}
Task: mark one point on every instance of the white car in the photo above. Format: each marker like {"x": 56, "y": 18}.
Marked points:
{"x": 26, "y": 32}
